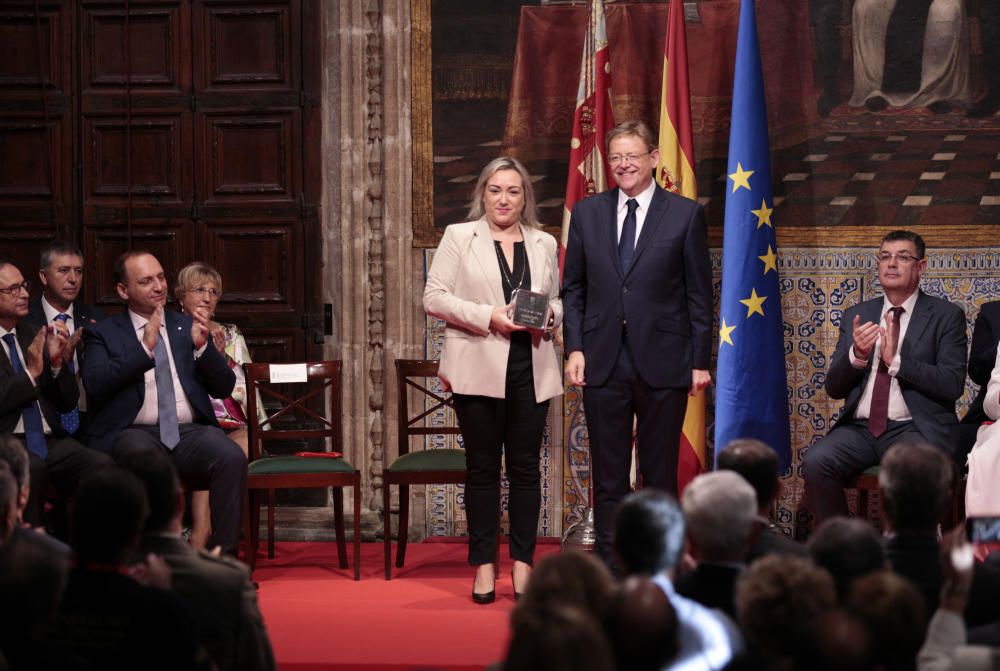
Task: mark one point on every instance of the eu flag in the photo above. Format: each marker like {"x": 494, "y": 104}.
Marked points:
{"x": 750, "y": 387}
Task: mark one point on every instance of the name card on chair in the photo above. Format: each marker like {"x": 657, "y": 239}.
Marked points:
{"x": 287, "y": 372}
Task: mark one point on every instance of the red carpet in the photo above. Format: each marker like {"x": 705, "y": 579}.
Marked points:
{"x": 320, "y": 619}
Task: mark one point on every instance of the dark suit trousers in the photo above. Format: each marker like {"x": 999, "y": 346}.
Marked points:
{"x": 67, "y": 462}
{"x": 205, "y": 456}
{"x": 490, "y": 427}
{"x": 609, "y": 410}
{"x": 841, "y": 455}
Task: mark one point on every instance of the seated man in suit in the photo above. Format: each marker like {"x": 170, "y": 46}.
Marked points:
{"x": 900, "y": 365}
{"x": 217, "y": 589}
{"x": 148, "y": 374}
{"x": 720, "y": 514}
{"x": 60, "y": 269}
{"x": 35, "y": 386}
{"x": 982, "y": 358}
{"x": 758, "y": 464}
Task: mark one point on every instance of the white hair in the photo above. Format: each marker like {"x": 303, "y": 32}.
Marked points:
{"x": 720, "y": 509}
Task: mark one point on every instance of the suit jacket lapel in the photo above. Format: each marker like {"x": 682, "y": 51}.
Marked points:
{"x": 657, "y": 210}
{"x": 483, "y": 249}
{"x": 611, "y": 229}
{"x": 535, "y": 250}
{"x": 918, "y": 323}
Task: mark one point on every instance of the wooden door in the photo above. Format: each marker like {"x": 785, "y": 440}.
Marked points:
{"x": 195, "y": 127}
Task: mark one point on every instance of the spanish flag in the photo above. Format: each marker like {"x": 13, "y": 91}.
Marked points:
{"x": 675, "y": 172}
{"x": 592, "y": 119}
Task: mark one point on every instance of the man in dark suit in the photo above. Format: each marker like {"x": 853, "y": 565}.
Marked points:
{"x": 900, "y": 365}
{"x": 217, "y": 589}
{"x": 758, "y": 464}
{"x": 60, "y": 269}
{"x": 637, "y": 298}
{"x": 149, "y": 373}
{"x": 35, "y": 386}
{"x": 982, "y": 359}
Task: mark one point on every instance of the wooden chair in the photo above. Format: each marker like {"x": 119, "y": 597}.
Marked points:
{"x": 421, "y": 467}
{"x": 296, "y": 420}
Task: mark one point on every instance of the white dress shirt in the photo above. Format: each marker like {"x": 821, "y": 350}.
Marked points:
{"x": 643, "y": 199}
{"x": 148, "y": 413}
{"x": 50, "y": 317}
{"x": 898, "y": 412}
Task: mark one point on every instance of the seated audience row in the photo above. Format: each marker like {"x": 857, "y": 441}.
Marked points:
{"x": 147, "y": 378}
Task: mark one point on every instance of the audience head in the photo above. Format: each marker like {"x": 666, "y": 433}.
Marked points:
{"x": 500, "y": 173}
{"x": 32, "y": 578}
{"x": 840, "y": 641}
{"x": 642, "y": 626}
{"x": 779, "y": 600}
{"x": 848, "y": 548}
{"x": 893, "y": 610}
{"x": 156, "y": 472}
{"x": 569, "y": 579}
{"x": 8, "y": 503}
{"x": 757, "y": 463}
{"x": 142, "y": 283}
{"x": 560, "y": 639}
{"x": 14, "y": 454}
{"x": 13, "y": 295}
{"x": 649, "y": 532}
{"x": 720, "y": 511}
{"x": 915, "y": 480}
{"x": 60, "y": 269}
{"x": 199, "y": 285}
{"x": 107, "y": 516}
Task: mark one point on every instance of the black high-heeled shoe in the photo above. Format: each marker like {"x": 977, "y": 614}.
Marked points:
{"x": 483, "y": 598}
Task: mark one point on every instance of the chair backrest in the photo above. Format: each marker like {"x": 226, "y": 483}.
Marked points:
{"x": 290, "y": 408}
{"x": 413, "y": 386}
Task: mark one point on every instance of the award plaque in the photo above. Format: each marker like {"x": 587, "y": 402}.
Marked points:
{"x": 531, "y": 308}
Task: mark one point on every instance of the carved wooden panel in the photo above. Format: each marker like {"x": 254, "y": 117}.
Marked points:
{"x": 103, "y": 247}
{"x": 24, "y": 158}
{"x": 151, "y": 49}
{"x": 249, "y": 157}
{"x": 227, "y": 28}
{"x": 258, "y": 264}
{"x": 158, "y": 153}
{"x": 272, "y": 345}
{"x": 20, "y": 37}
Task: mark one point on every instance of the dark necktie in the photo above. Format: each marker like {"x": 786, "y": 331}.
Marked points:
{"x": 878, "y": 415}
{"x": 626, "y": 244}
{"x": 70, "y": 420}
{"x": 166, "y": 402}
{"x": 34, "y": 433}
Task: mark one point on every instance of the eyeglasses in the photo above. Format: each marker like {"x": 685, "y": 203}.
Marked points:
{"x": 201, "y": 291}
{"x": 901, "y": 257}
{"x": 15, "y": 289}
{"x": 615, "y": 159}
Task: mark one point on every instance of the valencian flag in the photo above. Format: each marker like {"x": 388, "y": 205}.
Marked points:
{"x": 750, "y": 388}
{"x": 593, "y": 118}
{"x": 675, "y": 172}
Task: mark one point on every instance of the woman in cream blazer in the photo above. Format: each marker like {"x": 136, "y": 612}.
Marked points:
{"x": 502, "y": 375}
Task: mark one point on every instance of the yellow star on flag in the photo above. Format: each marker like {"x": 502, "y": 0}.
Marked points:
{"x": 741, "y": 177}
{"x": 770, "y": 260}
{"x": 754, "y": 303}
{"x": 724, "y": 332}
{"x": 763, "y": 214}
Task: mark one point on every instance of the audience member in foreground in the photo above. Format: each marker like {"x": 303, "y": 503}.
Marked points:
{"x": 199, "y": 287}
{"x": 758, "y": 464}
{"x": 216, "y": 589}
{"x": 899, "y": 366}
{"x": 35, "y": 386}
{"x": 720, "y": 514}
{"x": 149, "y": 373}
{"x": 107, "y": 616}
{"x": 14, "y": 454}
{"x": 915, "y": 481}
{"x": 893, "y": 610}
{"x": 648, "y": 540}
{"x": 642, "y": 626}
{"x": 780, "y": 601}
{"x": 848, "y": 548}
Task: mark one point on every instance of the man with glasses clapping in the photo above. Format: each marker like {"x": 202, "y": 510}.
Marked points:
{"x": 900, "y": 366}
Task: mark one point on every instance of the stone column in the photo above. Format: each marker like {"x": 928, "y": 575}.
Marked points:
{"x": 371, "y": 274}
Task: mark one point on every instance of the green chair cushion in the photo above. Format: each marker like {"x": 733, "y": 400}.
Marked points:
{"x": 430, "y": 460}
{"x": 291, "y": 464}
